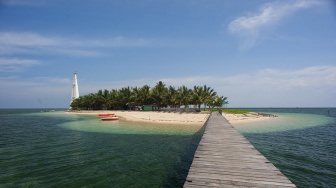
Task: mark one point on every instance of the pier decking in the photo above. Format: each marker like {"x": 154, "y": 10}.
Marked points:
{"x": 224, "y": 158}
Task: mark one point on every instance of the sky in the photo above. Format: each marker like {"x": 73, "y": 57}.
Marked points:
{"x": 258, "y": 53}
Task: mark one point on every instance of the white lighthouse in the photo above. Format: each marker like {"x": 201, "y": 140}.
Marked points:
{"x": 74, "y": 92}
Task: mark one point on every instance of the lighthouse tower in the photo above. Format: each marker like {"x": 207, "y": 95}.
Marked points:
{"x": 74, "y": 92}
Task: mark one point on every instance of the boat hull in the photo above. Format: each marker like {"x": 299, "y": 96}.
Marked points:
{"x": 105, "y": 114}
{"x": 110, "y": 119}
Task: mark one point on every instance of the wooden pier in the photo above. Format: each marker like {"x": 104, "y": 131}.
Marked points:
{"x": 224, "y": 158}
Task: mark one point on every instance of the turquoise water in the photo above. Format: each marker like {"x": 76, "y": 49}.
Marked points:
{"x": 300, "y": 142}
{"x": 284, "y": 122}
{"x": 54, "y": 149}
{"x": 92, "y": 124}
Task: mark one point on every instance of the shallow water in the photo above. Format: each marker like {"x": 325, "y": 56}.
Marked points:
{"x": 89, "y": 123}
{"x": 301, "y": 143}
{"x": 56, "y": 149}
{"x": 284, "y": 122}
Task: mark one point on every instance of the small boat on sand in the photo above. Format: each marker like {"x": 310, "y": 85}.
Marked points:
{"x": 105, "y": 114}
{"x": 110, "y": 118}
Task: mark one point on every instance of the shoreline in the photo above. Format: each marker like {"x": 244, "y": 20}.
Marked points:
{"x": 152, "y": 117}
{"x": 177, "y": 118}
{"x": 235, "y": 119}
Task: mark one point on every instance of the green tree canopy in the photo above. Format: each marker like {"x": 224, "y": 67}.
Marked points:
{"x": 160, "y": 94}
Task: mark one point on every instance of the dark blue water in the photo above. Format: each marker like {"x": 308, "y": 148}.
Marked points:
{"x": 37, "y": 150}
{"x": 307, "y": 155}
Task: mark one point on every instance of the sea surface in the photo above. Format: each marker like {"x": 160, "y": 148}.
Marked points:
{"x": 301, "y": 142}
{"x": 45, "y": 148}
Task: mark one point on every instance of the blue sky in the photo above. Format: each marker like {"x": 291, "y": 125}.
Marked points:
{"x": 258, "y": 53}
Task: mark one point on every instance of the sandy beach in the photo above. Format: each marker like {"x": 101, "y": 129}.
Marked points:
{"x": 154, "y": 117}
{"x": 177, "y": 118}
{"x": 248, "y": 117}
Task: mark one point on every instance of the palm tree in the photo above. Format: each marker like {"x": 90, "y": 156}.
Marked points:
{"x": 145, "y": 95}
{"x": 113, "y": 99}
{"x": 170, "y": 97}
{"x": 208, "y": 95}
{"x": 109, "y": 99}
{"x": 75, "y": 105}
{"x": 97, "y": 100}
{"x": 219, "y": 101}
{"x": 184, "y": 96}
{"x": 136, "y": 96}
{"x": 197, "y": 96}
{"x": 105, "y": 96}
{"x": 158, "y": 94}
{"x": 124, "y": 97}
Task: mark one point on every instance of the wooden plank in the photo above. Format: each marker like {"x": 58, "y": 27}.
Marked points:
{"x": 225, "y": 158}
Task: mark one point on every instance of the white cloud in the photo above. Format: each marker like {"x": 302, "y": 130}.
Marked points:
{"x": 189, "y": 81}
{"x": 33, "y": 83}
{"x": 119, "y": 42}
{"x": 16, "y": 65}
{"x": 284, "y": 80}
{"x": 26, "y": 2}
{"x": 313, "y": 86}
{"x": 309, "y": 77}
{"x": 39, "y": 92}
{"x": 32, "y": 43}
{"x": 28, "y": 39}
{"x": 249, "y": 27}
{"x": 53, "y": 80}
{"x": 310, "y": 86}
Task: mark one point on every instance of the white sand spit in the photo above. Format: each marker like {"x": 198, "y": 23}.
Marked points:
{"x": 248, "y": 117}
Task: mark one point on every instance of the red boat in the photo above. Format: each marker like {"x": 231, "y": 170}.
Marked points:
{"x": 110, "y": 118}
{"x": 105, "y": 114}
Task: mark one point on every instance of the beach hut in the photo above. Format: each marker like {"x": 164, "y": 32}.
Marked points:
{"x": 151, "y": 107}
{"x": 147, "y": 108}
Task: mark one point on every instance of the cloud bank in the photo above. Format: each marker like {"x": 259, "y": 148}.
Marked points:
{"x": 26, "y": 2}
{"x": 313, "y": 86}
{"x": 16, "y": 65}
{"x": 28, "y": 43}
{"x": 34, "y": 43}
{"x": 249, "y": 27}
